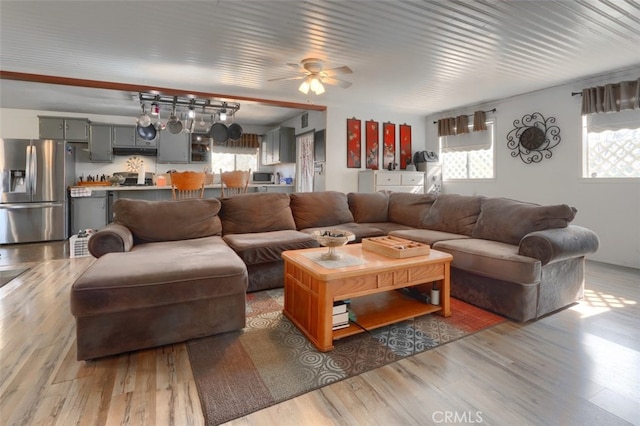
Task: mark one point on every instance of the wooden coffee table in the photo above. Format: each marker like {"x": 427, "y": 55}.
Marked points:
{"x": 310, "y": 290}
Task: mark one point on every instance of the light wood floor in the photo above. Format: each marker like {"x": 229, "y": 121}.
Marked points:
{"x": 580, "y": 366}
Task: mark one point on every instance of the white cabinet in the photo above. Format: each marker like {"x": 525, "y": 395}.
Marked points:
{"x": 396, "y": 181}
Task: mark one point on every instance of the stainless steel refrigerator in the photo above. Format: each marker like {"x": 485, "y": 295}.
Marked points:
{"x": 34, "y": 176}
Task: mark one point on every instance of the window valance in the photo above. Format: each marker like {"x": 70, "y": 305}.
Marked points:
{"x": 459, "y": 125}
{"x": 247, "y": 144}
{"x": 611, "y": 97}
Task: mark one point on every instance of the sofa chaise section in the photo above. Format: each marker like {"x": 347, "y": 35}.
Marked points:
{"x": 160, "y": 284}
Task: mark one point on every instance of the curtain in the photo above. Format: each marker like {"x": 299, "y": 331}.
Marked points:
{"x": 462, "y": 124}
{"x": 611, "y": 97}
{"x": 247, "y": 140}
{"x": 473, "y": 141}
{"x": 447, "y": 127}
{"x": 479, "y": 121}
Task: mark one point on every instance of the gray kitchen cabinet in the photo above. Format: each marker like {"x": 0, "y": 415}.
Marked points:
{"x": 173, "y": 148}
{"x": 124, "y": 135}
{"x": 279, "y": 146}
{"x": 69, "y": 129}
{"x": 100, "y": 139}
{"x": 200, "y": 148}
{"x": 89, "y": 212}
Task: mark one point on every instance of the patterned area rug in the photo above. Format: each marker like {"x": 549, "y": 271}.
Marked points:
{"x": 270, "y": 361}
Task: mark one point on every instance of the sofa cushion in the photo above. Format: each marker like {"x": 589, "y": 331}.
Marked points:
{"x": 492, "y": 259}
{"x": 426, "y": 236}
{"x": 256, "y": 212}
{"x": 409, "y": 209}
{"x": 318, "y": 209}
{"x": 453, "y": 213}
{"x": 261, "y": 247}
{"x": 387, "y": 227}
{"x": 506, "y": 220}
{"x": 156, "y": 274}
{"x": 368, "y": 206}
{"x": 151, "y": 221}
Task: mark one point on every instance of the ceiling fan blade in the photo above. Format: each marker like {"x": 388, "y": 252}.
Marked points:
{"x": 336, "y": 82}
{"x": 297, "y": 67}
{"x": 338, "y": 70}
{"x": 300, "y": 77}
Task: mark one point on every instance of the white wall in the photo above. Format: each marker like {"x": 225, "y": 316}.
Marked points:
{"x": 611, "y": 208}
{"x": 338, "y": 176}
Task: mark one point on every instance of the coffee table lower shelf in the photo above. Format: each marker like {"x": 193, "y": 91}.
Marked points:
{"x": 377, "y": 310}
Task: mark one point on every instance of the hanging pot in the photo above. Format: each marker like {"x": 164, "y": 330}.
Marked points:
{"x": 219, "y": 132}
{"x": 147, "y": 133}
{"x": 235, "y": 131}
{"x": 174, "y": 125}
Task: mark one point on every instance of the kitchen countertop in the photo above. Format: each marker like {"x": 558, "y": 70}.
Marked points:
{"x": 155, "y": 187}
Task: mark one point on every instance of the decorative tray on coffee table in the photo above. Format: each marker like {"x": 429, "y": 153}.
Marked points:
{"x": 395, "y": 247}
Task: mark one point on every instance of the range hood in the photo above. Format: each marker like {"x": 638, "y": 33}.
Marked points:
{"x": 135, "y": 150}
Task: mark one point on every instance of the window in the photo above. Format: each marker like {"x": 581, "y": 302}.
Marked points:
{"x": 611, "y": 145}
{"x": 229, "y": 162}
{"x": 469, "y": 155}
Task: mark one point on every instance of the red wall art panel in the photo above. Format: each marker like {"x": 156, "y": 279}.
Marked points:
{"x": 354, "y": 136}
{"x": 405, "y": 145}
{"x": 372, "y": 139}
{"x": 389, "y": 141}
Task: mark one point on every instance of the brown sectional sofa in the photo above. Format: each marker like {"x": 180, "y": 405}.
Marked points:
{"x": 179, "y": 269}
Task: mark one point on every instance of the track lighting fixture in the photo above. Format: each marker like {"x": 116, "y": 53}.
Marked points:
{"x": 155, "y": 108}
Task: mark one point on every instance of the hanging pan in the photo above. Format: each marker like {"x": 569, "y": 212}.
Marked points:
{"x": 147, "y": 133}
{"x": 235, "y": 131}
{"x": 174, "y": 125}
{"x": 219, "y": 132}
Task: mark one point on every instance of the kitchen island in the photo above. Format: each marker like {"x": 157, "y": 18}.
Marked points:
{"x": 90, "y": 206}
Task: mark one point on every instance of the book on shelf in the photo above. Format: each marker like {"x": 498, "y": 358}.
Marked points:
{"x": 339, "y": 326}
{"x": 341, "y": 318}
{"x": 340, "y": 306}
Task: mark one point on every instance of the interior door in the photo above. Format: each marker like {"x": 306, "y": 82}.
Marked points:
{"x": 304, "y": 163}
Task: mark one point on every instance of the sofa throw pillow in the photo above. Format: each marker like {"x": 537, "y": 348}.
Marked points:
{"x": 453, "y": 213}
{"x": 318, "y": 209}
{"x": 368, "y": 207}
{"x": 151, "y": 221}
{"x": 256, "y": 212}
{"x": 409, "y": 209}
{"x": 507, "y": 221}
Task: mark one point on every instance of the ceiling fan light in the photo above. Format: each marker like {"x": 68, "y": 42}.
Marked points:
{"x": 304, "y": 87}
{"x": 316, "y": 86}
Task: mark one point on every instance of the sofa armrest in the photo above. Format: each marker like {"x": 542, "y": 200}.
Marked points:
{"x": 113, "y": 238}
{"x": 552, "y": 245}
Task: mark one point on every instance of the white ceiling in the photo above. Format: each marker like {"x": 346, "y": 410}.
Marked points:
{"x": 418, "y": 57}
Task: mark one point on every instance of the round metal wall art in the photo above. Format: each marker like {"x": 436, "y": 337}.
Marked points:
{"x": 533, "y": 138}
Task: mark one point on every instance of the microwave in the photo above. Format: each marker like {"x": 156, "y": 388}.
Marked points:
{"x": 263, "y": 177}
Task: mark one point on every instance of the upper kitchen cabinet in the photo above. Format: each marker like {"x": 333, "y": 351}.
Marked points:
{"x": 100, "y": 140}
{"x": 200, "y": 148}
{"x": 279, "y": 146}
{"x": 173, "y": 148}
{"x": 69, "y": 129}
{"x": 124, "y": 135}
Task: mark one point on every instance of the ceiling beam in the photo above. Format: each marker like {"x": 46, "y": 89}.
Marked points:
{"x": 108, "y": 85}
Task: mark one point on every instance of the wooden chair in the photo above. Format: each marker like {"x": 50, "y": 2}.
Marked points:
{"x": 185, "y": 185}
{"x": 236, "y": 182}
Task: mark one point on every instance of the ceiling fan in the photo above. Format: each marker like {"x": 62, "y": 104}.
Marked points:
{"x": 314, "y": 75}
